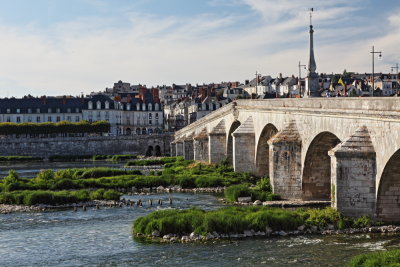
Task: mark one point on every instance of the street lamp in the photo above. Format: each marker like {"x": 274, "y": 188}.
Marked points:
{"x": 300, "y": 77}
{"x": 373, "y": 66}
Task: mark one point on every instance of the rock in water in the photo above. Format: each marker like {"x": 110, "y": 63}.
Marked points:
{"x": 155, "y": 233}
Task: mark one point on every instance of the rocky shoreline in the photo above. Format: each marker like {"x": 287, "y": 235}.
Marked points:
{"x": 302, "y": 230}
{"x": 6, "y": 209}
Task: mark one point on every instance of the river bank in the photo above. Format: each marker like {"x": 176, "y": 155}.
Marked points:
{"x": 268, "y": 233}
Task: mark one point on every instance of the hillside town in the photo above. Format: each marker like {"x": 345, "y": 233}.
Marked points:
{"x": 139, "y": 110}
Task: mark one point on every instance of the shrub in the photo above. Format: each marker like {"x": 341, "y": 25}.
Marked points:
{"x": 232, "y": 193}
{"x": 380, "y": 258}
{"x": 111, "y": 195}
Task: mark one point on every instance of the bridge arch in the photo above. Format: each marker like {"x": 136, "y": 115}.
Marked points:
{"x": 262, "y": 152}
{"x": 388, "y": 199}
{"x": 316, "y": 184}
{"x": 229, "y": 146}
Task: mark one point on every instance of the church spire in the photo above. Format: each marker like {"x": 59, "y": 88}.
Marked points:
{"x": 312, "y": 84}
{"x": 312, "y": 67}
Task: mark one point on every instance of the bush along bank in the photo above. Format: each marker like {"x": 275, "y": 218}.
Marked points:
{"x": 377, "y": 259}
{"x": 19, "y": 158}
{"x": 240, "y": 222}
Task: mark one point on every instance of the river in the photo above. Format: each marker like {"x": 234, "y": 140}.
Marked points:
{"x": 103, "y": 238}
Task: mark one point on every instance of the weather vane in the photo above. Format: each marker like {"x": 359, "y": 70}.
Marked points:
{"x": 311, "y": 11}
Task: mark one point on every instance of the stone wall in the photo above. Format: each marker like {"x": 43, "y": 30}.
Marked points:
{"x": 46, "y": 147}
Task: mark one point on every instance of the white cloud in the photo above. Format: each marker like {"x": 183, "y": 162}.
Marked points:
{"x": 90, "y": 54}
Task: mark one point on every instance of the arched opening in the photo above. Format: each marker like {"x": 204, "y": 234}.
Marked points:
{"x": 388, "y": 202}
{"x": 138, "y": 131}
{"x": 144, "y": 131}
{"x": 157, "y": 152}
{"x": 262, "y": 156}
{"x": 317, "y": 167}
{"x": 128, "y": 131}
{"x": 229, "y": 147}
{"x": 149, "y": 151}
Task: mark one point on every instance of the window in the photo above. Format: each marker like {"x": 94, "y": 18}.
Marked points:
{"x": 107, "y": 114}
{"x": 68, "y": 110}
{"x": 68, "y": 118}
{"x": 98, "y": 104}
{"x": 77, "y": 110}
{"x": 8, "y": 110}
{"x": 8, "y": 119}
{"x": 150, "y": 122}
{"x": 38, "y": 110}
{"x": 128, "y": 107}
{"x": 58, "y": 110}
{"x": 77, "y": 119}
{"x": 149, "y": 106}
{"x": 18, "y": 110}
{"x": 49, "y": 118}
{"x": 157, "y": 107}
{"x": 18, "y": 119}
{"x": 90, "y": 105}
{"x": 150, "y": 115}
{"x": 137, "y": 106}
{"x": 157, "y": 116}
{"x": 107, "y": 105}
{"x": 37, "y": 119}
{"x": 29, "y": 110}
{"x": 29, "y": 119}
{"x": 49, "y": 110}
{"x": 58, "y": 118}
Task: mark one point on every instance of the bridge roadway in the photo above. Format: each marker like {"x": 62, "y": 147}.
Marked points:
{"x": 346, "y": 150}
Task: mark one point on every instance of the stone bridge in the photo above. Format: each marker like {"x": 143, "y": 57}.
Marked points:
{"x": 346, "y": 150}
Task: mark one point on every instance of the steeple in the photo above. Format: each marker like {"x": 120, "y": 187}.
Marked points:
{"x": 312, "y": 67}
{"x": 312, "y": 84}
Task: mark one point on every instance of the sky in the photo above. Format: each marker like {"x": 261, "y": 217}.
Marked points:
{"x": 66, "y": 47}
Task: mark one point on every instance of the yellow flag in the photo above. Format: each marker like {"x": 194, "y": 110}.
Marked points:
{"x": 341, "y": 81}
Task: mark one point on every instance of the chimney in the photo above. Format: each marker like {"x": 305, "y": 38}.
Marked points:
{"x": 44, "y": 100}
{"x": 280, "y": 76}
{"x": 128, "y": 99}
{"x": 64, "y": 100}
{"x": 246, "y": 82}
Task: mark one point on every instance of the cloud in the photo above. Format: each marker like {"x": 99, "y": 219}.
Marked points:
{"x": 88, "y": 54}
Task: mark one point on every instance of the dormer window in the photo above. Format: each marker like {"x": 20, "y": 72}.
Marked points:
{"x": 157, "y": 107}
{"x": 58, "y": 110}
{"x": 18, "y": 110}
{"x": 143, "y": 106}
{"x": 29, "y": 110}
{"x": 128, "y": 106}
{"x": 49, "y": 110}
{"x": 38, "y": 110}
{"x": 137, "y": 106}
{"x": 68, "y": 110}
{"x": 107, "y": 104}
{"x": 149, "y": 107}
{"x": 8, "y": 110}
{"x": 90, "y": 105}
{"x": 98, "y": 105}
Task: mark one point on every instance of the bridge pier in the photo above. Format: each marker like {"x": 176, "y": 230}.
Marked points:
{"x": 217, "y": 144}
{"x": 173, "y": 149}
{"x": 353, "y": 170}
{"x": 200, "y": 146}
{"x": 179, "y": 148}
{"x": 188, "y": 153}
{"x": 244, "y": 147}
{"x": 285, "y": 163}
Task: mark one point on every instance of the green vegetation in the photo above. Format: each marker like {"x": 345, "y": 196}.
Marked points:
{"x": 377, "y": 259}
{"x": 69, "y": 158}
{"x": 152, "y": 162}
{"x": 262, "y": 191}
{"x": 9, "y": 128}
{"x": 19, "y": 158}
{"x": 186, "y": 174}
{"x": 28, "y": 197}
{"x": 233, "y": 220}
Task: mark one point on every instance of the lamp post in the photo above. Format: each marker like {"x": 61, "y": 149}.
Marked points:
{"x": 373, "y": 66}
{"x": 300, "y": 77}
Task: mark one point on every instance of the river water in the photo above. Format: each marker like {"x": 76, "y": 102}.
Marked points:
{"x": 103, "y": 238}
